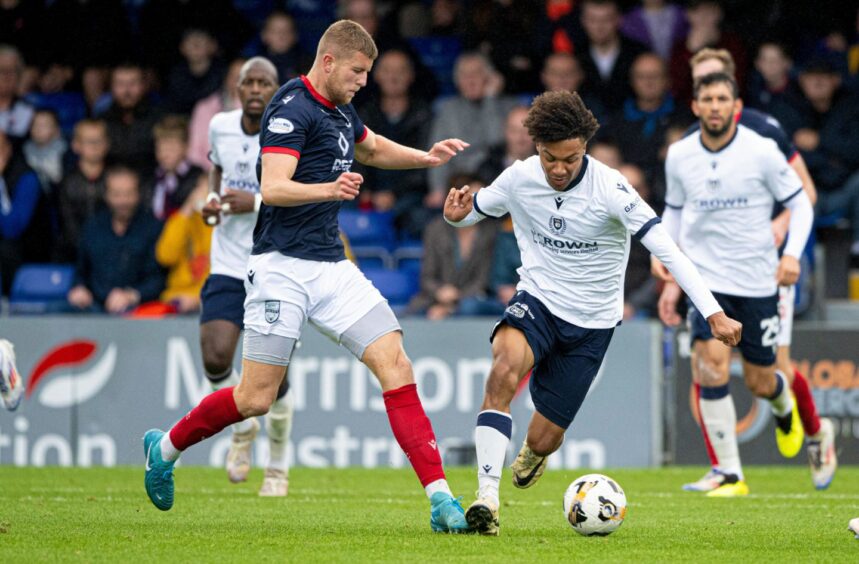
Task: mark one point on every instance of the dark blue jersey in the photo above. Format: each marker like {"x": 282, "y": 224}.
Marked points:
{"x": 764, "y": 125}
{"x": 300, "y": 122}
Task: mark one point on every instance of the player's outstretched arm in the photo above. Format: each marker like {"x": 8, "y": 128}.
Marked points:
{"x": 278, "y": 188}
{"x": 381, "y": 152}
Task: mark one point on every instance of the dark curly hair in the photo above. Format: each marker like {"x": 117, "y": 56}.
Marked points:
{"x": 558, "y": 116}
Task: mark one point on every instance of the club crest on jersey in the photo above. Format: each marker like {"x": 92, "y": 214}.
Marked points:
{"x": 280, "y": 125}
{"x": 272, "y": 310}
{"x": 714, "y": 184}
{"x": 557, "y": 225}
{"x": 243, "y": 168}
{"x": 343, "y": 144}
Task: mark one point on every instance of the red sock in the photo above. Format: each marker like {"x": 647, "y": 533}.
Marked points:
{"x": 216, "y": 412}
{"x": 413, "y": 431}
{"x": 714, "y": 460}
{"x": 805, "y": 404}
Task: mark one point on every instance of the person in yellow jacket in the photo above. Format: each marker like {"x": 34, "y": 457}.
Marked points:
{"x": 183, "y": 248}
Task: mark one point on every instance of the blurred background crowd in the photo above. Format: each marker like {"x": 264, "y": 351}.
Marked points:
{"x": 105, "y": 107}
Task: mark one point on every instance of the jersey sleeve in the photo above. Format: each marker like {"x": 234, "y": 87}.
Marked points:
{"x": 213, "y": 142}
{"x": 626, "y": 205}
{"x": 781, "y": 180}
{"x": 769, "y": 127}
{"x": 285, "y": 131}
{"x": 675, "y": 196}
{"x": 493, "y": 200}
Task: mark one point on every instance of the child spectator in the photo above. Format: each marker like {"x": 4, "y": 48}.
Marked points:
{"x": 183, "y": 249}
{"x": 45, "y": 151}
{"x": 175, "y": 177}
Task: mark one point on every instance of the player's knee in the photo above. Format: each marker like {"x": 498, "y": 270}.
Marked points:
{"x": 761, "y": 383}
{"x": 216, "y": 359}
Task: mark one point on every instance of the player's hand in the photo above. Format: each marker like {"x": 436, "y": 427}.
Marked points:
{"x": 458, "y": 203}
{"x": 238, "y": 201}
{"x": 442, "y": 152}
{"x": 725, "y": 329}
{"x": 212, "y": 210}
{"x": 667, "y": 305}
{"x": 347, "y": 186}
{"x": 788, "y": 271}
{"x": 658, "y": 270}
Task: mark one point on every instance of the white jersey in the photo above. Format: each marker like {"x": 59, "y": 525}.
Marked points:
{"x": 235, "y": 152}
{"x": 574, "y": 244}
{"x": 727, "y": 199}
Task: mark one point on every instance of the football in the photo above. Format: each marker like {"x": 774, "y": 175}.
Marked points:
{"x": 594, "y": 505}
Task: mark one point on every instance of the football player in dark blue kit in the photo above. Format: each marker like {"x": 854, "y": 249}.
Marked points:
{"x": 298, "y": 271}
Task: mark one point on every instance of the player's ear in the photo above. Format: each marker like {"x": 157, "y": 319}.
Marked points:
{"x": 738, "y": 106}
{"x": 695, "y": 109}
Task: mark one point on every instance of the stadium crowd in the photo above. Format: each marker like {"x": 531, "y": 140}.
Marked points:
{"x": 105, "y": 107}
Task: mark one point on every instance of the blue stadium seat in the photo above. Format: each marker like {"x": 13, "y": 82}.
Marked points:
{"x": 407, "y": 256}
{"x": 397, "y": 286}
{"x": 373, "y": 257}
{"x": 368, "y": 229}
{"x": 41, "y": 288}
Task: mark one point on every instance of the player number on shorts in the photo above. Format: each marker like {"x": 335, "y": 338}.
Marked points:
{"x": 769, "y": 328}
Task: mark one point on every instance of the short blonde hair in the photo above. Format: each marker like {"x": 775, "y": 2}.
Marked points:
{"x": 721, "y": 55}
{"x": 344, "y": 38}
{"x": 171, "y": 127}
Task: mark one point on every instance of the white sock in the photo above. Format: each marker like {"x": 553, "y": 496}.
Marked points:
{"x": 719, "y": 419}
{"x": 781, "y": 401}
{"x": 168, "y": 451}
{"x": 491, "y": 438}
{"x": 232, "y": 379}
{"x": 438, "y": 486}
{"x": 278, "y": 425}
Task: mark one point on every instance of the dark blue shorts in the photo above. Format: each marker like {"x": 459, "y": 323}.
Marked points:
{"x": 566, "y": 357}
{"x": 760, "y": 320}
{"x": 223, "y": 297}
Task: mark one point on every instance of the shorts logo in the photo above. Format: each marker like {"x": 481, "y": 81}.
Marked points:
{"x": 557, "y": 225}
{"x": 280, "y": 125}
{"x": 272, "y": 310}
{"x": 519, "y": 310}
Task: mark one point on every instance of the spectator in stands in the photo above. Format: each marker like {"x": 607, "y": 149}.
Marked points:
{"x": 81, "y": 193}
{"x": 398, "y": 115}
{"x": 562, "y": 71}
{"x": 606, "y": 151}
{"x": 639, "y": 287}
{"x": 829, "y": 141}
{"x": 506, "y": 261}
{"x": 175, "y": 177}
{"x": 656, "y": 24}
{"x": 278, "y": 42}
{"x": 116, "y": 269}
{"x": 771, "y": 87}
{"x": 130, "y": 119}
{"x": 95, "y": 89}
{"x": 705, "y": 30}
{"x": 53, "y": 93}
{"x": 455, "y": 267}
{"x": 476, "y": 115}
{"x": 15, "y": 114}
{"x": 504, "y": 31}
{"x": 607, "y": 56}
{"x": 639, "y": 128}
{"x": 224, "y": 100}
{"x": 199, "y": 74}
{"x": 25, "y": 230}
{"x": 45, "y": 150}
{"x": 183, "y": 249}
{"x": 517, "y": 146}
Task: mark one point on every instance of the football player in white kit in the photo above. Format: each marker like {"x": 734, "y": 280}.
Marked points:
{"x": 819, "y": 431}
{"x": 572, "y": 217}
{"x": 233, "y": 204}
{"x": 722, "y": 185}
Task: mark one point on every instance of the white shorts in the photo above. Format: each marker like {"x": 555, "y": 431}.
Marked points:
{"x": 786, "y": 302}
{"x": 284, "y": 292}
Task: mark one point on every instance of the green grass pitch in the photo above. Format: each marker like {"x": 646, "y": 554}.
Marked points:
{"x": 354, "y": 515}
